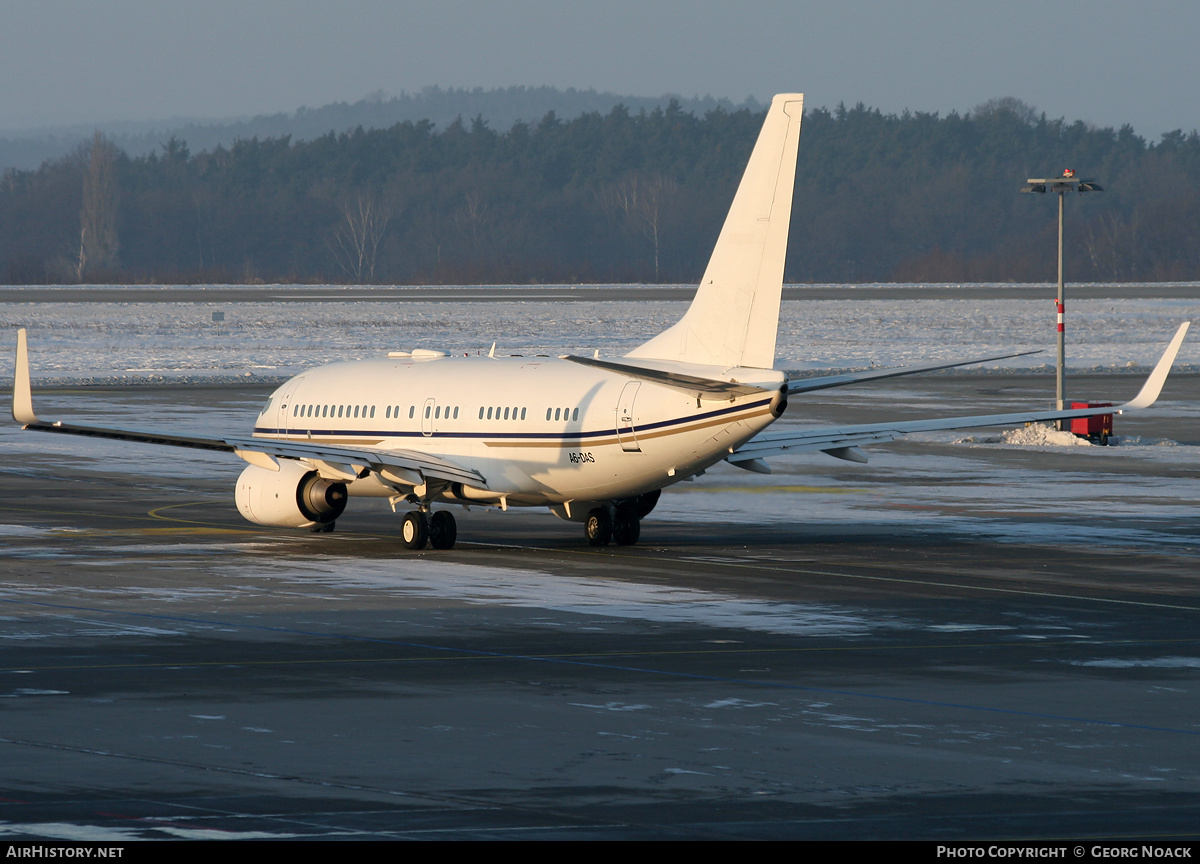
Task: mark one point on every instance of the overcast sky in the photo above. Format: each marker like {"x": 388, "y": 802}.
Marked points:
{"x": 1106, "y": 62}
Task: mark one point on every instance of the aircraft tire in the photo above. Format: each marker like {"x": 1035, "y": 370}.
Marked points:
{"x": 414, "y": 530}
{"x": 598, "y": 528}
{"x": 627, "y": 529}
{"x": 443, "y": 530}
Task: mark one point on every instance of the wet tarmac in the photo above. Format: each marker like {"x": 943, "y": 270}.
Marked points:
{"x": 956, "y": 641}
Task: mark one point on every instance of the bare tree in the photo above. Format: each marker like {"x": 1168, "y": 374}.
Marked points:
{"x": 1112, "y": 244}
{"x": 470, "y": 218}
{"x": 640, "y": 201}
{"x": 1023, "y": 111}
{"x": 98, "y": 215}
{"x": 356, "y": 241}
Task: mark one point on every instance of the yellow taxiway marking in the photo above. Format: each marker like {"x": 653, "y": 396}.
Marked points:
{"x": 813, "y": 490}
{"x": 199, "y": 527}
{"x": 156, "y": 513}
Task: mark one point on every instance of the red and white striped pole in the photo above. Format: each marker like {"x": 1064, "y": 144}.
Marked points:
{"x": 1058, "y": 389}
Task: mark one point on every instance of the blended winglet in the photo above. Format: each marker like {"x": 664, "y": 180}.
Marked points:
{"x": 22, "y": 404}
{"x": 1154, "y": 384}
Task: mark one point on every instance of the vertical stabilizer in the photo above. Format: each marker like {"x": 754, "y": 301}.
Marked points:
{"x": 734, "y": 317}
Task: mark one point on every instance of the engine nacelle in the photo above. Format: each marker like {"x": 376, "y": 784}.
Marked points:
{"x": 292, "y": 497}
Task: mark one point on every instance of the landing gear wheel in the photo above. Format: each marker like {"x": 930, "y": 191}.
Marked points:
{"x": 443, "y": 530}
{"x": 323, "y": 528}
{"x": 415, "y": 530}
{"x": 598, "y": 528}
{"x": 627, "y": 529}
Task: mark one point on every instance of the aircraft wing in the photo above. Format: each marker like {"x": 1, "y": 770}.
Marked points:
{"x": 256, "y": 451}
{"x": 841, "y": 441}
{"x": 380, "y": 461}
{"x": 713, "y": 387}
{"x": 804, "y": 385}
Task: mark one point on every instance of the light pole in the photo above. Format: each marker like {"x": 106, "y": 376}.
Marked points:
{"x": 1068, "y": 182}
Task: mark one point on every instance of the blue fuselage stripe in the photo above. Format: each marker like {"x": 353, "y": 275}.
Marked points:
{"x": 541, "y": 436}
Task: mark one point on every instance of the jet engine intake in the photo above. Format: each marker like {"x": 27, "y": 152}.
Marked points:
{"x": 292, "y": 497}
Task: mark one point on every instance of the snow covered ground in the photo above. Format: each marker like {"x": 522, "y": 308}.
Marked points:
{"x": 965, "y": 488}
{"x": 269, "y": 336}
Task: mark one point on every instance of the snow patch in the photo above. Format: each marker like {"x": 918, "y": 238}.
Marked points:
{"x": 1032, "y": 435}
{"x": 1153, "y": 663}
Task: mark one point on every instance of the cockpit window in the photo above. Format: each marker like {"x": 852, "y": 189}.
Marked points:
{"x": 267, "y": 406}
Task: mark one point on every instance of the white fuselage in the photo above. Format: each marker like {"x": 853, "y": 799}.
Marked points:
{"x": 541, "y": 431}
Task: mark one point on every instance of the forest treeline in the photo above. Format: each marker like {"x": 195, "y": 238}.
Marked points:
{"x": 616, "y": 197}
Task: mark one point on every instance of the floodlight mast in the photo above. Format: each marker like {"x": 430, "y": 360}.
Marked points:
{"x": 1068, "y": 182}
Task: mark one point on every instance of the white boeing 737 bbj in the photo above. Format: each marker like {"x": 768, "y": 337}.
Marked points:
{"x": 595, "y": 441}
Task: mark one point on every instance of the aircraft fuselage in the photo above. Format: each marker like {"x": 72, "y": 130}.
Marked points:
{"x": 541, "y": 430}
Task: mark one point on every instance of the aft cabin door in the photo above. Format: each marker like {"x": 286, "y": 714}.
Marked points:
{"x": 626, "y": 433}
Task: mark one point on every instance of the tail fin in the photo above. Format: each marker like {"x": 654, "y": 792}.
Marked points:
{"x": 734, "y": 317}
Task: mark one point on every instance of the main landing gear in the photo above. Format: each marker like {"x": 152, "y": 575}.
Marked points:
{"x": 622, "y": 525}
{"x": 439, "y": 530}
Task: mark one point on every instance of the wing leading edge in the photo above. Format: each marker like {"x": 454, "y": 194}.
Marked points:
{"x": 805, "y": 385}
{"x": 844, "y": 439}
{"x": 256, "y": 451}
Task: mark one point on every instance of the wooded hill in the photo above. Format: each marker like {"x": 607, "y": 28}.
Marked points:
{"x": 616, "y": 197}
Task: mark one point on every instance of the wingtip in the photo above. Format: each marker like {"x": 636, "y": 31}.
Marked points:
{"x": 22, "y": 404}
{"x": 1150, "y": 391}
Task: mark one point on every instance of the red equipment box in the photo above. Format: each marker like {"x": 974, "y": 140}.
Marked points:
{"x": 1097, "y": 428}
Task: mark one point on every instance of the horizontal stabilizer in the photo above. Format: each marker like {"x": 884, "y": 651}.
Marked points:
{"x": 688, "y": 383}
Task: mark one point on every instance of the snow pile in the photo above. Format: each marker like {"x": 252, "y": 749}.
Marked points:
{"x": 1033, "y": 435}
{"x": 1040, "y": 435}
